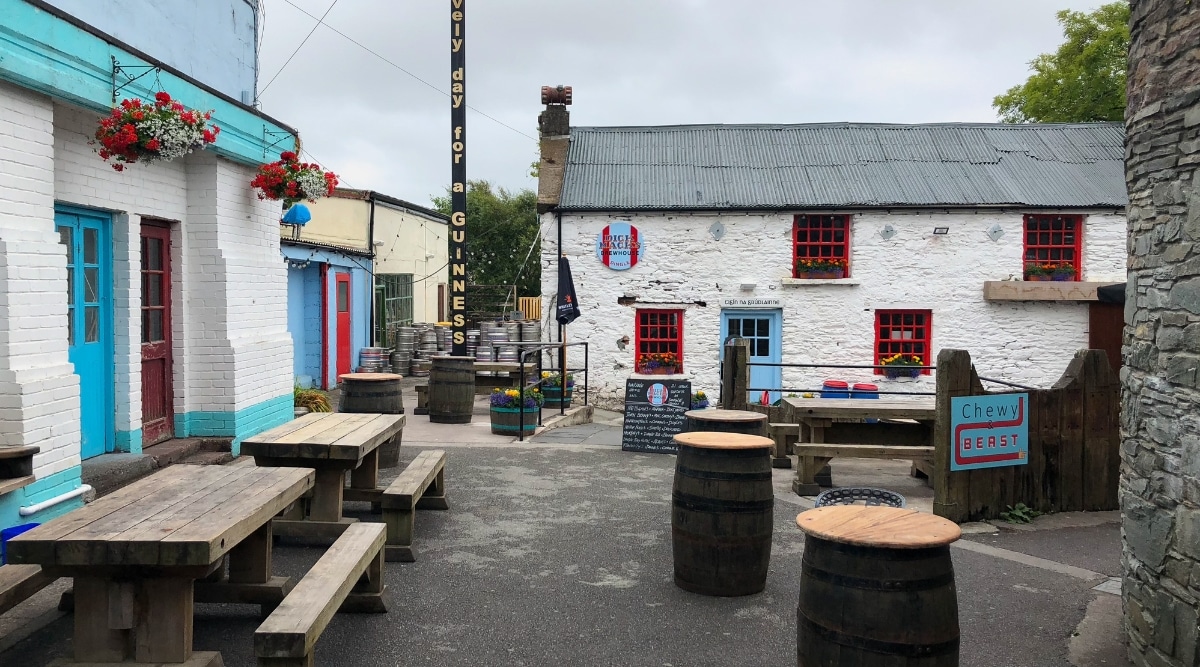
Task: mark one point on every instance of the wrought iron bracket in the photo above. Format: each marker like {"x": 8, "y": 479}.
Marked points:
{"x": 275, "y": 138}
{"x": 129, "y": 72}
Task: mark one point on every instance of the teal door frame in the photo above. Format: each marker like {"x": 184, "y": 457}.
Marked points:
{"x": 87, "y": 237}
{"x": 764, "y": 329}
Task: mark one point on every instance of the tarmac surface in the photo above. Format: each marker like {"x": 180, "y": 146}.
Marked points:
{"x": 557, "y": 552}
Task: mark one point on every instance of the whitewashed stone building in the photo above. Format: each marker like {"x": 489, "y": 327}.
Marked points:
{"x": 140, "y": 305}
{"x": 935, "y": 225}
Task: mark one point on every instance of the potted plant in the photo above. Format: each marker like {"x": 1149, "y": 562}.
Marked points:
{"x": 1063, "y": 272}
{"x": 820, "y": 268}
{"x": 1040, "y": 271}
{"x": 658, "y": 363}
{"x": 556, "y": 393}
{"x": 507, "y": 406}
{"x": 289, "y": 180}
{"x": 310, "y": 400}
{"x": 699, "y": 400}
{"x": 901, "y": 365}
{"x": 135, "y": 131}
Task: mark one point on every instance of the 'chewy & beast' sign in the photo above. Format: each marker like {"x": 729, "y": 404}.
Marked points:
{"x": 989, "y": 431}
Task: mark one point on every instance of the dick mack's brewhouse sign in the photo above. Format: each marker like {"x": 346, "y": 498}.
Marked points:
{"x": 619, "y": 246}
{"x": 458, "y": 177}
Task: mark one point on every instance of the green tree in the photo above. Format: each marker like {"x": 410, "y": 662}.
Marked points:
{"x": 503, "y": 244}
{"x": 1084, "y": 80}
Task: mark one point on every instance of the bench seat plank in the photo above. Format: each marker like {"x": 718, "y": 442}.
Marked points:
{"x": 864, "y": 451}
{"x": 18, "y": 582}
{"x": 292, "y": 629}
{"x": 422, "y": 485}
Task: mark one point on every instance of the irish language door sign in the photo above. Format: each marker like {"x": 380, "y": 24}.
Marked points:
{"x": 619, "y": 246}
{"x": 989, "y": 431}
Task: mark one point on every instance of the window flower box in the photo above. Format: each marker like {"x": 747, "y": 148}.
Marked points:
{"x": 820, "y": 268}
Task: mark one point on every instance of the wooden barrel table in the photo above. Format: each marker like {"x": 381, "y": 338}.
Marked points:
{"x": 375, "y": 393}
{"x": 722, "y": 513}
{"x": 877, "y": 587}
{"x": 451, "y": 390}
{"x": 727, "y": 421}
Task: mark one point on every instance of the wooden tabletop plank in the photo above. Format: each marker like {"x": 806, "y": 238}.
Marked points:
{"x": 139, "y": 545}
{"x": 38, "y": 545}
{"x": 89, "y": 544}
{"x": 368, "y": 437}
{"x": 713, "y": 440}
{"x": 284, "y": 430}
{"x": 882, "y": 527}
{"x": 296, "y": 444}
{"x": 211, "y": 536}
{"x": 863, "y": 408}
{"x": 719, "y": 415}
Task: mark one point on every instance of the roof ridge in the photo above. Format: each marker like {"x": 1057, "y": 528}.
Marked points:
{"x": 849, "y": 124}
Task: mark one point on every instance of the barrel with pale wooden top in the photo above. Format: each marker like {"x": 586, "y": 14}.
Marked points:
{"x": 727, "y": 421}
{"x": 375, "y": 393}
{"x": 722, "y": 513}
{"x": 877, "y": 587}
{"x": 451, "y": 390}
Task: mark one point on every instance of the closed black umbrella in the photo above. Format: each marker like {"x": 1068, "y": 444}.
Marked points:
{"x": 567, "y": 310}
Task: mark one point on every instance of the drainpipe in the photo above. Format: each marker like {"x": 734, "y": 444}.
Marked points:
{"x": 371, "y": 274}
{"x": 45, "y": 504}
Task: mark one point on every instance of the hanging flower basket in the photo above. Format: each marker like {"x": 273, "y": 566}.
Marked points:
{"x": 139, "y": 132}
{"x": 289, "y": 180}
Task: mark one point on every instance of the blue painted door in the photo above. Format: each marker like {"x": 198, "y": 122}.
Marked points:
{"x": 87, "y": 240}
{"x": 764, "y": 330}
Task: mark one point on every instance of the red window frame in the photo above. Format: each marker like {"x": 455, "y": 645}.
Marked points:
{"x": 658, "y": 331}
{"x": 820, "y": 236}
{"x": 904, "y": 332}
{"x": 1054, "y": 238}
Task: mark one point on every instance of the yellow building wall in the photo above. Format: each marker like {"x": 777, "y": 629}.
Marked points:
{"x": 336, "y": 221}
{"x": 413, "y": 243}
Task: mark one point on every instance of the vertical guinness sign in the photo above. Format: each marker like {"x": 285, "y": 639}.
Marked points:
{"x": 458, "y": 190}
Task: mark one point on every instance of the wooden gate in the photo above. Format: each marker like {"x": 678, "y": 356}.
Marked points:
{"x": 1074, "y": 444}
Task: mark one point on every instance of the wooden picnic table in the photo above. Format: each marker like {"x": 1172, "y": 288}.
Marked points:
{"x": 142, "y": 555}
{"x": 919, "y": 409}
{"x": 331, "y": 443}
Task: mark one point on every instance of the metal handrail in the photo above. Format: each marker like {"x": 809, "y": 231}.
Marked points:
{"x": 522, "y": 354}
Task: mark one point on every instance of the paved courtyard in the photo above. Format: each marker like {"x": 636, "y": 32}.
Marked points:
{"x": 557, "y": 552}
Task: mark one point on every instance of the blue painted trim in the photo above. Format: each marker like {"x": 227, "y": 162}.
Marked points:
{"x": 129, "y": 441}
{"x": 238, "y": 425}
{"x": 762, "y": 376}
{"x": 43, "y": 52}
{"x": 43, "y": 489}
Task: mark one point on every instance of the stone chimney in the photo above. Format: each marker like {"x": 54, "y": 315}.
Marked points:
{"x": 554, "y": 129}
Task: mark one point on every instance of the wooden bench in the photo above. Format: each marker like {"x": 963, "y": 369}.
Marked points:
{"x": 784, "y": 435}
{"x": 814, "y": 456}
{"x": 422, "y": 485}
{"x": 18, "y": 582}
{"x": 422, "y": 400}
{"x": 348, "y": 578}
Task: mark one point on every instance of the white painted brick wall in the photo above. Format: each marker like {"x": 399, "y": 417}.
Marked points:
{"x": 39, "y": 394}
{"x": 1020, "y": 342}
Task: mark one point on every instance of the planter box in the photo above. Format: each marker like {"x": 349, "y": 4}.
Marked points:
{"x": 894, "y": 373}
{"x": 659, "y": 371}
{"x": 507, "y": 421}
{"x": 822, "y": 275}
{"x": 555, "y": 396}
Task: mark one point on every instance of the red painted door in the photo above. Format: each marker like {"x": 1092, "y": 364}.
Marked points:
{"x": 158, "y": 415}
{"x": 342, "y": 299}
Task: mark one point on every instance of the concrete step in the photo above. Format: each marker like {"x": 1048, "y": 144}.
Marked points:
{"x": 207, "y": 459}
{"x": 109, "y": 472}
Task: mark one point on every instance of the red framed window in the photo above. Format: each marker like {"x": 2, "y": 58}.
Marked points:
{"x": 903, "y": 332}
{"x": 820, "y": 245}
{"x": 1053, "y": 246}
{"x": 659, "y": 340}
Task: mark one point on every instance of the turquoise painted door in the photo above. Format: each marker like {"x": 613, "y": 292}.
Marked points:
{"x": 87, "y": 240}
{"x": 764, "y": 330}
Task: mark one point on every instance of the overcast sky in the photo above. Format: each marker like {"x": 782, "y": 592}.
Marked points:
{"x": 631, "y": 62}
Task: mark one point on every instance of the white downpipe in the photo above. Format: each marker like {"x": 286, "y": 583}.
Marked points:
{"x": 34, "y": 509}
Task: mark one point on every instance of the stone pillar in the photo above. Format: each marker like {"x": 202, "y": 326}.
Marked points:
{"x": 1160, "y": 413}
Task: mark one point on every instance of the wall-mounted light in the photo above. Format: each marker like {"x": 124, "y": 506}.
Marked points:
{"x": 941, "y": 231}
{"x": 749, "y": 286}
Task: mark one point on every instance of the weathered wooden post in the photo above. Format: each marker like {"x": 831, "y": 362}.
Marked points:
{"x": 735, "y": 375}
{"x": 955, "y": 377}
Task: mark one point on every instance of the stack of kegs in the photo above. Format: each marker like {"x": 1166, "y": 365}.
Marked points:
{"x": 531, "y": 331}
{"x": 402, "y": 349}
{"x": 445, "y": 337}
{"x": 472, "y": 341}
{"x": 374, "y": 360}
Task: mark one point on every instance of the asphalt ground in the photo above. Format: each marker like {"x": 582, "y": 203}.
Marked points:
{"x": 560, "y": 554}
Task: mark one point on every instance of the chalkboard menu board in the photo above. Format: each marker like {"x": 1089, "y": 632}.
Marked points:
{"x": 654, "y": 414}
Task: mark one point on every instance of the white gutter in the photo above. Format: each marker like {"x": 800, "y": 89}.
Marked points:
{"x": 34, "y": 509}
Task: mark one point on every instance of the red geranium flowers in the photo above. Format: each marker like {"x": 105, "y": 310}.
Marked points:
{"x": 135, "y": 131}
{"x": 290, "y": 180}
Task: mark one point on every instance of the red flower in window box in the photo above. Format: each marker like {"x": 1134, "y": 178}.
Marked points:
{"x": 1044, "y": 271}
{"x": 820, "y": 268}
{"x": 135, "y": 131}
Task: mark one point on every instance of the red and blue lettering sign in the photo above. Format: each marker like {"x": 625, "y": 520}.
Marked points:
{"x": 619, "y": 246}
{"x": 989, "y": 431}
{"x": 657, "y": 394}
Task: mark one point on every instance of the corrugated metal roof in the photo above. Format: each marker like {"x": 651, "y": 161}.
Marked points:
{"x": 845, "y": 165}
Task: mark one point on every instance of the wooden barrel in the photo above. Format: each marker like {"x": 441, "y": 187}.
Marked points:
{"x": 376, "y": 393}
{"x": 556, "y": 398}
{"x": 451, "y": 390}
{"x": 727, "y": 421}
{"x": 877, "y": 587}
{"x": 722, "y": 513}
